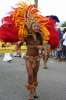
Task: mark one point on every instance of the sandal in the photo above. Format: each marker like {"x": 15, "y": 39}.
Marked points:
{"x": 30, "y": 99}
{"x": 35, "y": 97}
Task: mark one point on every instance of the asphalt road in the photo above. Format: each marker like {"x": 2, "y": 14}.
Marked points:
{"x": 13, "y": 76}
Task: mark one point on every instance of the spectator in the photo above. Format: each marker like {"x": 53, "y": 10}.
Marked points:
{"x": 64, "y": 44}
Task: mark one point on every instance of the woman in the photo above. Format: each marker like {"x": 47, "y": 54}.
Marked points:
{"x": 45, "y": 53}
{"x": 32, "y": 65}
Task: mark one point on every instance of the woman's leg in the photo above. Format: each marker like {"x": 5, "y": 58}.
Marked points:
{"x": 35, "y": 72}
{"x": 65, "y": 51}
{"x": 30, "y": 86}
{"x": 32, "y": 70}
{"x": 45, "y": 58}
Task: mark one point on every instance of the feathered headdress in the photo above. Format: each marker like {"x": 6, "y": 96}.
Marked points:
{"x": 8, "y": 30}
{"x": 27, "y": 19}
{"x": 54, "y": 33}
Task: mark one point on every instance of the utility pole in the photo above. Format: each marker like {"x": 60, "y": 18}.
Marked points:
{"x": 36, "y": 3}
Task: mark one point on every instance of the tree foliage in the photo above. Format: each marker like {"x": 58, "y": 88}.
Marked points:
{"x": 64, "y": 24}
{"x": 36, "y": 3}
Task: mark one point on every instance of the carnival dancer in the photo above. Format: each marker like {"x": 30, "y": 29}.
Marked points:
{"x": 48, "y": 46}
{"x": 45, "y": 52}
{"x": 28, "y": 24}
{"x": 32, "y": 66}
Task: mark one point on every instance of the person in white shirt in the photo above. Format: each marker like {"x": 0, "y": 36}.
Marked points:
{"x": 64, "y": 44}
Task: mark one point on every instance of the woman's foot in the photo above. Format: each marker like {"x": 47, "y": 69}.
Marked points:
{"x": 30, "y": 98}
{"x": 35, "y": 96}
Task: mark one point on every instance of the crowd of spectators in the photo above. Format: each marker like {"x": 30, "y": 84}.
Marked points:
{"x": 60, "y": 52}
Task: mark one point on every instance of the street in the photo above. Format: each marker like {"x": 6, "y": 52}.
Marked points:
{"x": 13, "y": 77}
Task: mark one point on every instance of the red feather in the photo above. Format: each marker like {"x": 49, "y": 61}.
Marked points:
{"x": 54, "y": 34}
{"x": 8, "y": 33}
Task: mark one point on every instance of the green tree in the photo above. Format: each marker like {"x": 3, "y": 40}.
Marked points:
{"x": 64, "y": 24}
{"x": 36, "y": 3}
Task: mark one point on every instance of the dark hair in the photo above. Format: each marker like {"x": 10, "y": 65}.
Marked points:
{"x": 64, "y": 30}
{"x": 39, "y": 38}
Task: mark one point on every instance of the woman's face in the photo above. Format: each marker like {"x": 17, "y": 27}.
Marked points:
{"x": 35, "y": 27}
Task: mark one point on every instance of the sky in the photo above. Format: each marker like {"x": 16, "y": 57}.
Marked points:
{"x": 46, "y": 7}
{"x": 53, "y": 7}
